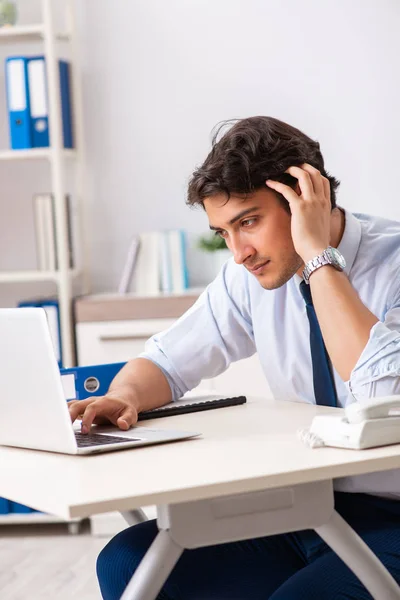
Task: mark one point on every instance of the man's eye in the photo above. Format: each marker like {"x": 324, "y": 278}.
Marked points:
{"x": 221, "y": 233}
{"x": 248, "y": 222}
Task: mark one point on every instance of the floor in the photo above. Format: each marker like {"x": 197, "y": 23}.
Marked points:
{"x": 48, "y": 563}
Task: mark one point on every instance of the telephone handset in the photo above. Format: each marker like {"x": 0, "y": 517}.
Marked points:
{"x": 374, "y": 408}
{"x": 372, "y": 423}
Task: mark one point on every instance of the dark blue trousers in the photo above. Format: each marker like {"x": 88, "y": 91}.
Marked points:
{"x": 292, "y": 566}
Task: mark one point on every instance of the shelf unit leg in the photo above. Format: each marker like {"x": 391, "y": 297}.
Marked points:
{"x": 57, "y": 168}
{"x": 73, "y": 528}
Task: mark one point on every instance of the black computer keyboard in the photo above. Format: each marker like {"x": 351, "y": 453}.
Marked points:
{"x": 180, "y": 407}
{"x": 99, "y": 439}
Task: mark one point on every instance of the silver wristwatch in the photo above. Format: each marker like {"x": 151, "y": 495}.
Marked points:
{"x": 330, "y": 256}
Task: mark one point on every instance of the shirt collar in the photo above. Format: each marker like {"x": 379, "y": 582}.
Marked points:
{"x": 351, "y": 238}
{"x": 349, "y": 243}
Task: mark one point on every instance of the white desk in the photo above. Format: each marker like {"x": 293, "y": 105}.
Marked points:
{"x": 247, "y": 476}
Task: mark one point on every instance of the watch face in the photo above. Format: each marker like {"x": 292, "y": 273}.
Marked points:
{"x": 338, "y": 258}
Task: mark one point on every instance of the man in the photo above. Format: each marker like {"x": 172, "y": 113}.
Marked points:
{"x": 265, "y": 190}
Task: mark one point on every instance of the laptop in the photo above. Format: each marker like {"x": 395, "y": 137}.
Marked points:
{"x": 33, "y": 410}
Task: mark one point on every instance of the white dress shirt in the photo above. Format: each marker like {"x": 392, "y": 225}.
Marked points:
{"x": 235, "y": 317}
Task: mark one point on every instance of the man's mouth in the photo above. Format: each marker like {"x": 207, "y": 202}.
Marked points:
{"x": 259, "y": 267}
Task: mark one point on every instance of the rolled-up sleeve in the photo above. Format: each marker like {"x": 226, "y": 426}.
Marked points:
{"x": 377, "y": 372}
{"x": 216, "y": 331}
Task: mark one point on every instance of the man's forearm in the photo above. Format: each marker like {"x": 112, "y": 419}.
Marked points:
{"x": 142, "y": 383}
{"x": 344, "y": 320}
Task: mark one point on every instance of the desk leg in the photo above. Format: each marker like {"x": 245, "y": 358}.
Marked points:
{"x": 226, "y": 519}
{"x": 154, "y": 569}
{"x": 133, "y": 517}
{"x": 254, "y": 514}
{"x": 347, "y": 544}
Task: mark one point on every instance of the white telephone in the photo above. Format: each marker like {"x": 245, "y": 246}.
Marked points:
{"x": 374, "y": 422}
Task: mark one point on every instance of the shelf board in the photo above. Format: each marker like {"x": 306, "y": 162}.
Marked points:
{"x": 20, "y": 276}
{"x": 33, "y": 275}
{"x": 34, "y": 154}
{"x": 35, "y": 517}
{"x": 26, "y": 33}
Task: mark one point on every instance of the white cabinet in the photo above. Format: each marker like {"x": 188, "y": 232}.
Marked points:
{"x": 115, "y": 341}
{"x": 244, "y": 377}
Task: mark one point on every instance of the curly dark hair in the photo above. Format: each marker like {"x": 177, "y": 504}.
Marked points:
{"x": 250, "y": 152}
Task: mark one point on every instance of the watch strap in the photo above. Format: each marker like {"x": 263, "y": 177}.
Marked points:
{"x": 314, "y": 264}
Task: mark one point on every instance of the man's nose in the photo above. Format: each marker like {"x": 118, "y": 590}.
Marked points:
{"x": 241, "y": 252}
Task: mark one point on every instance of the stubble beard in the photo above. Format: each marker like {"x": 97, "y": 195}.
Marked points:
{"x": 289, "y": 269}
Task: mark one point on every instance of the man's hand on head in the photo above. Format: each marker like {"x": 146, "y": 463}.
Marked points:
{"x": 111, "y": 408}
{"x": 311, "y": 210}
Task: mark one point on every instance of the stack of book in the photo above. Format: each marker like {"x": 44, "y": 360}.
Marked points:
{"x": 45, "y": 232}
{"x": 156, "y": 263}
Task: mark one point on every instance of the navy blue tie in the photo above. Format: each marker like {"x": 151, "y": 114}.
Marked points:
{"x": 324, "y": 385}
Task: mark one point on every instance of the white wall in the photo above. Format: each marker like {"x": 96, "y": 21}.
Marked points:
{"x": 159, "y": 74}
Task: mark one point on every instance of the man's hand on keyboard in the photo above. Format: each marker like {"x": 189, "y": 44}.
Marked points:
{"x": 111, "y": 408}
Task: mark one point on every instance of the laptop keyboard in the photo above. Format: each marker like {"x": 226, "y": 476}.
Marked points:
{"x": 99, "y": 439}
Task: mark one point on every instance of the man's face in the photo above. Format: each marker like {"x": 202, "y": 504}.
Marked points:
{"x": 257, "y": 232}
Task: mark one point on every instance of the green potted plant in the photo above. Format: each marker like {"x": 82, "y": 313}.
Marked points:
{"x": 212, "y": 243}
{"x": 8, "y": 13}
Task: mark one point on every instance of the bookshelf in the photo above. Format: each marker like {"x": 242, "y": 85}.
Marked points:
{"x": 57, "y": 156}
